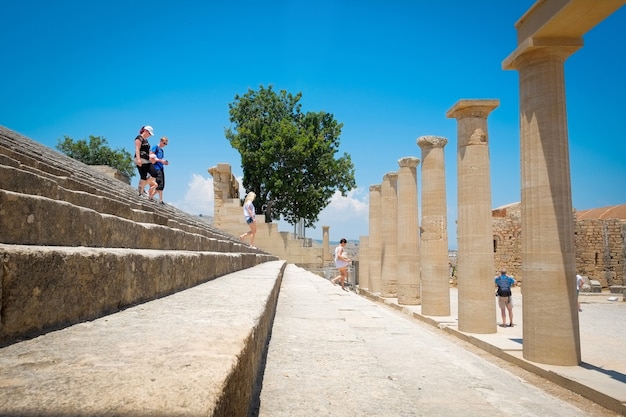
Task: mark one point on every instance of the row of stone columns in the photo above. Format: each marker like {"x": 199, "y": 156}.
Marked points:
{"x": 548, "y": 33}
{"x": 410, "y": 262}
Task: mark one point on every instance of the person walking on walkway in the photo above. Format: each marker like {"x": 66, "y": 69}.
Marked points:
{"x": 249, "y": 214}
{"x": 579, "y": 284}
{"x": 505, "y": 301}
{"x": 341, "y": 262}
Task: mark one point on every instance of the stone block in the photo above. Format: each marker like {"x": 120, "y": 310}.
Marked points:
{"x": 617, "y": 289}
{"x": 595, "y": 286}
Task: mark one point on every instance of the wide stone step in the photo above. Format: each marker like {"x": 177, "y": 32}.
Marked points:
{"x": 36, "y": 220}
{"x": 25, "y": 180}
{"x": 28, "y": 167}
{"x": 47, "y": 287}
{"x": 193, "y": 353}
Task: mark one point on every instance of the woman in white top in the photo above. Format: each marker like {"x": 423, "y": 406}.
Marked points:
{"x": 579, "y": 284}
{"x": 249, "y": 214}
{"x": 341, "y": 262}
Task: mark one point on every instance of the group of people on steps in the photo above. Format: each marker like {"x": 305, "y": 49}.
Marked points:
{"x": 150, "y": 163}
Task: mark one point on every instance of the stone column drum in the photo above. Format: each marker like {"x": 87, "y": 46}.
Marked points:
{"x": 408, "y": 250}
{"x": 374, "y": 252}
{"x": 364, "y": 270}
{"x": 389, "y": 234}
{"x": 476, "y": 270}
{"x": 551, "y": 326}
{"x": 326, "y": 245}
{"x": 547, "y": 34}
{"x": 435, "y": 277}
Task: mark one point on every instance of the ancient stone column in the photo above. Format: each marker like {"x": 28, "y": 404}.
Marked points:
{"x": 389, "y": 235}
{"x": 434, "y": 237}
{"x": 551, "y": 326}
{"x": 225, "y": 188}
{"x": 374, "y": 250}
{"x": 364, "y": 270}
{"x": 408, "y": 250}
{"x": 326, "y": 245}
{"x": 477, "y": 308}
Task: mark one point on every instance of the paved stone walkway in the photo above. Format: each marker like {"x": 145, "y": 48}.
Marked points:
{"x": 335, "y": 353}
{"x": 332, "y": 353}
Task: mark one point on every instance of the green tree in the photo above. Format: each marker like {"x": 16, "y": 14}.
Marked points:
{"x": 288, "y": 158}
{"x": 97, "y": 152}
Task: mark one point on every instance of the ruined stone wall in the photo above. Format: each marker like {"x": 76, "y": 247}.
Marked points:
{"x": 600, "y": 250}
{"x": 507, "y": 226}
{"x": 228, "y": 216}
{"x": 600, "y": 246}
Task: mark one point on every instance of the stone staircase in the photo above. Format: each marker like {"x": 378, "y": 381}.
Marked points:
{"x": 77, "y": 245}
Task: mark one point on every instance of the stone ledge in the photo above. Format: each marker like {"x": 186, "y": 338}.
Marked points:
{"x": 35, "y": 220}
{"x": 193, "y": 353}
{"x": 47, "y": 288}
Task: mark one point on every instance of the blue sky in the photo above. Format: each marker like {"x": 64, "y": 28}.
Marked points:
{"x": 388, "y": 70}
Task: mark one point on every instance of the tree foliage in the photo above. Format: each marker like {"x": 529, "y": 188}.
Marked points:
{"x": 97, "y": 152}
{"x": 288, "y": 157}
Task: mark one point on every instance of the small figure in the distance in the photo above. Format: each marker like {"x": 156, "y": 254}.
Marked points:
{"x": 142, "y": 159}
{"x": 249, "y": 214}
{"x": 580, "y": 281}
{"x": 505, "y": 301}
{"x": 341, "y": 262}
{"x": 157, "y": 171}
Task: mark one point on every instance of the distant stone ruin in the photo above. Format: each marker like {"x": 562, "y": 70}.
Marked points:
{"x": 228, "y": 216}
{"x": 600, "y": 246}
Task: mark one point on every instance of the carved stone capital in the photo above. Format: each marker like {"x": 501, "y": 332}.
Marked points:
{"x": 375, "y": 187}
{"x": 408, "y": 162}
{"x": 431, "y": 142}
{"x": 472, "y": 108}
{"x": 534, "y": 50}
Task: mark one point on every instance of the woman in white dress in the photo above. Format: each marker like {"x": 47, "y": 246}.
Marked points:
{"x": 341, "y": 262}
{"x": 249, "y": 213}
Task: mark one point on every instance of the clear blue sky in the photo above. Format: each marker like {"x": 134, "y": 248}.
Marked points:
{"x": 388, "y": 70}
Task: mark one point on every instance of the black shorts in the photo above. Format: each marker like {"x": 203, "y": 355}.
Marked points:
{"x": 159, "y": 176}
{"x": 144, "y": 170}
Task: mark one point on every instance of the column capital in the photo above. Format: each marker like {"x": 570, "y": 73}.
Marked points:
{"x": 431, "y": 142}
{"x": 472, "y": 108}
{"x": 390, "y": 176}
{"x": 538, "y": 49}
{"x": 375, "y": 187}
{"x": 408, "y": 162}
{"x": 325, "y": 228}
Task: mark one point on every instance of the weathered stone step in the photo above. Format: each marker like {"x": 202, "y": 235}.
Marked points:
{"x": 35, "y": 220}
{"x": 48, "y": 287}
{"x": 193, "y": 353}
{"x": 39, "y": 170}
{"x": 27, "y": 180}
